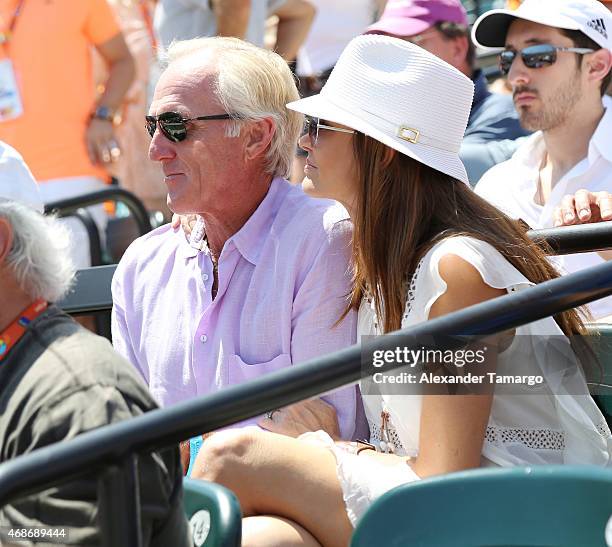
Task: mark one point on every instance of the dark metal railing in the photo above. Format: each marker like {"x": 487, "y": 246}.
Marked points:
{"x": 577, "y": 239}
{"x": 76, "y": 206}
{"x": 67, "y": 206}
{"x": 115, "y": 445}
{"x": 93, "y": 235}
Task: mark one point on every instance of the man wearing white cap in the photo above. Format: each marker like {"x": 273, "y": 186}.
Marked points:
{"x": 558, "y": 58}
{"x": 58, "y": 380}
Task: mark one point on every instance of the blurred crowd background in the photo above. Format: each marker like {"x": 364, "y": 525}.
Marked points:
{"x": 85, "y": 79}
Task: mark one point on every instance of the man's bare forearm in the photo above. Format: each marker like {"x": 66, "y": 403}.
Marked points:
{"x": 232, "y": 17}
{"x": 294, "y": 20}
{"x": 121, "y": 72}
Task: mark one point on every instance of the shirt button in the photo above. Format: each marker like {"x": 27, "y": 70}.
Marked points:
{"x": 205, "y": 277}
{"x": 203, "y": 338}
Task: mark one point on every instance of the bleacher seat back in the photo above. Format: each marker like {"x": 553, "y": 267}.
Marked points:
{"x": 600, "y": 379}
{"x": 214, "y": 514}
{"x": 550, "y": 506}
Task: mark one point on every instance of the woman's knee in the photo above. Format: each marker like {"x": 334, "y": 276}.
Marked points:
{"x": 224, "y": 454}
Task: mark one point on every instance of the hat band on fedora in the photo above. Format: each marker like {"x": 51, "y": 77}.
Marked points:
{"x": 409, "y": 133}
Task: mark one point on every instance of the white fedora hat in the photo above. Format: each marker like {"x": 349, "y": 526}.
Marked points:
{"x": 400, "y": 95}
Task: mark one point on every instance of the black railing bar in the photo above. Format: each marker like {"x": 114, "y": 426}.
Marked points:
{"x": 160, "y": 428}
{"x": 137, "y": 209}
{"x": 606, "y": 387}
{"x": 119, "y": 509}
{"x": 119, "y": 504}
{"x": 93, "y": 235}
{"x": 582, "y": 238}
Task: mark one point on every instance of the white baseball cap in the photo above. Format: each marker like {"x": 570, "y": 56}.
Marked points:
{"x": 400, "y": 95}
{"x": 16, "y": 180}
{"x": 588, "y": 16}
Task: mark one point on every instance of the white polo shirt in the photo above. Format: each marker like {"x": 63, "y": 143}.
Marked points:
{"x": 512, "y": 185}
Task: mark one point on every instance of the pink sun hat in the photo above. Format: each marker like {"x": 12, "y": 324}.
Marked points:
{"x": 410, "y": 17}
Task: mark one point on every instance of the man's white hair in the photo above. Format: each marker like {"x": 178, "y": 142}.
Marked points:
{"x": 39, "y": 257}
{"x": 254, "y": 84}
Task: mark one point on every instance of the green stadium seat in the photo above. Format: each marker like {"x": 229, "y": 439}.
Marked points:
{"x": 600, "y": 381}
{"x": 214, "y": 514}
{"x": 543, "y": 506}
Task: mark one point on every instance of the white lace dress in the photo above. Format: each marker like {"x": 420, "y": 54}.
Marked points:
{"x": 555, "y": 424}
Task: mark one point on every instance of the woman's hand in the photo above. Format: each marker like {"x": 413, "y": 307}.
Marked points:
{"x": 302, "y": 417}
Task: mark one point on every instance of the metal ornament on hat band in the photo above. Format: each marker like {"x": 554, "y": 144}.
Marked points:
{"x": 414, "y": 138}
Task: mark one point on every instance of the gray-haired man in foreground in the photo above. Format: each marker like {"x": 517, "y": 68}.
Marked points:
{"x": 58, "y": 380}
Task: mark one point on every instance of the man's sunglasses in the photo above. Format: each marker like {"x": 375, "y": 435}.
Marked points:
{"x": 536, "y": 56}
{"x": 172, "y": 124}
{"x": 312, "y": 126}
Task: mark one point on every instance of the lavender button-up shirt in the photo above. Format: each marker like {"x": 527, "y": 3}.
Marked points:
{"x": 283, "y": 280}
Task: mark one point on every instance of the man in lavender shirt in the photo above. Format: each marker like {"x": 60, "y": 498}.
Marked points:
{"x": 263, "y": 279}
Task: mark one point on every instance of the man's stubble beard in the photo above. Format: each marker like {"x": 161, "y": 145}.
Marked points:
{"x": 556, "y": 109}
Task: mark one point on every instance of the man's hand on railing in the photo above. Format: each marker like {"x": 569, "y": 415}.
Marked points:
{"x": 583, "y": 207}
{"x": 302, "y": 417}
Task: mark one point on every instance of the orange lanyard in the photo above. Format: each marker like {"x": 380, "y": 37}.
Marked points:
{"x": 11, "y": 335}
{"x": 8, "y": 34}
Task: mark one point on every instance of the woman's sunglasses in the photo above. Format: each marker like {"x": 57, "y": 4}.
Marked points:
{"x": 312, "y": 126}
{"x": 172, "y": 124}
{"x": 536, "y": 56}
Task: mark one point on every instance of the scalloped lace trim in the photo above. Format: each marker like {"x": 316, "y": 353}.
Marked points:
{"x": 412, "y": 290}
{"x": 536, "y": 439}
{"x": 409, "y": 297}
{"x": 375, "y": 438}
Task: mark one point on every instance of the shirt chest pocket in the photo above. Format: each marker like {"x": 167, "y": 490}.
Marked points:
{"x": 241, "y": 371}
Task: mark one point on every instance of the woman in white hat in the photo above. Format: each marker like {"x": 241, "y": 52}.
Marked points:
{"x": 384, "y": 141}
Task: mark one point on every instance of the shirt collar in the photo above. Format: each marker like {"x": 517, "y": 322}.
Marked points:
{"x": 481, "y": 90}
{"x": 249, "y": 240}
{"x": 600, "y": 142}
{"x": 531, "y": 152}
{"x": 190, "y": 248}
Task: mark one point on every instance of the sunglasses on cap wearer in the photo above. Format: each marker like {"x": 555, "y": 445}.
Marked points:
{"x": 536, "y": 56}
{"x": 312, "y": 126}
{"x": 172, "y": 124}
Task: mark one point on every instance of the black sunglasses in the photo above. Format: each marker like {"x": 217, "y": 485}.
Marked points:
{"x": 172, "y": 124}
{"x": 312, "y": 126}
{"x": 536, "y": 56}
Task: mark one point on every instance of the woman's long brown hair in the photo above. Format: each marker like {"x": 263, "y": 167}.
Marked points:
{"x": 403, "y": 208}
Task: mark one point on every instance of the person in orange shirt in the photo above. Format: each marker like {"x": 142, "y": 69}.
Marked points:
{"x": 133, "y": 169}
{"x": 47, "y": 107}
